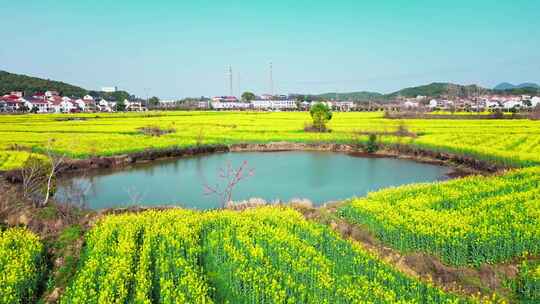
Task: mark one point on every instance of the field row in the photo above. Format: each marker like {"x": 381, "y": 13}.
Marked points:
{"x": 465, "y": 222}
{"x": 265, "y": 255}
{"x": 508, "y": 142}
{"x": 21, "y": 266}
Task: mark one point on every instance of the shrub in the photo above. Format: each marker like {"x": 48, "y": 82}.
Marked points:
{"x": 372, "y": 145}
{"x": 156, "y": 131}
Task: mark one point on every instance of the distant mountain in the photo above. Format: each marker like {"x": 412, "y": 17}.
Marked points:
{"x": 504, "y": 86}
{"x": 508, "y": 86}
{"x": 30, "y": 85}
{"x": 352, "y": 96}
{"x": 438, "y": 89}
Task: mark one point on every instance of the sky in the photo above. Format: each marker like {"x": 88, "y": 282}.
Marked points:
{"x": 174, "y": 49}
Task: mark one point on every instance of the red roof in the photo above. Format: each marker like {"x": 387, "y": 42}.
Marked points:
{"x": 56, "y": 100}
{"x": 10, "y": 98}
{"x": 38, "y": 101}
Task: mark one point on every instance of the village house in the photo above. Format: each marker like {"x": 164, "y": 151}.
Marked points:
{"x": 267, "y": 104}
{"x": 134, "y": 106}
{"x": 51, "y": 93}
{"x": 344, "y": 106}
{"x": 512, "y": 104}
{"x": 535, "y": 101}
{"x": 39, "y": 105}
{"x": 12, "y": 103}
{"x": 106, "y": 106}
{"x": 230, "y": 105}
{"x": 411, "y": 104}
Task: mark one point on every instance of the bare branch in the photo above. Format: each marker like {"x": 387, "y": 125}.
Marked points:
{"x": 232, "y": 178}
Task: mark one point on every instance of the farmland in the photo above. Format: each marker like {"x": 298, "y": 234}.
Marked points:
{"x": 267, "y": 255}
{"x": 507, "y": 142}
{"x": 21, "y": 265}
{"x": 273, "y": 254}
{"x": 473, "y": 220}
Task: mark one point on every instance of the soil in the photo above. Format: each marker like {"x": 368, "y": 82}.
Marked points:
{"x": 484, "y": 280}
{"x": 461, "y": 165}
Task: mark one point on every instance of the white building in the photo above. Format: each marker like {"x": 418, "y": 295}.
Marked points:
{"x": 411, "y": 104}
{"x": 41, "y": 105}
{"x": 344, "y": 105}
{"x": 493, "y": 104}
{"x": 67, "y": 106}
{"x": 106, "y": 106}
{"x": 109, "y": 89}
{"x": 512, "y": 104}
{"x": 51, "y": 93}
{"x": 134, "y": 106}
{"x": 266, "y": 104}
{"x": 535, "y": 101}
{"x": 233, "y": 105}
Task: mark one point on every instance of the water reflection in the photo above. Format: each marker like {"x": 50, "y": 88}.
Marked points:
{"x": 317, "y": 176}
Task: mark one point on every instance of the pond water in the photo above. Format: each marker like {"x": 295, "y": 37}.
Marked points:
{"x": 317, "y": 176}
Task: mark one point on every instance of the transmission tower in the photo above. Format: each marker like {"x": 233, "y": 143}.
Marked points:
{"x": 271, "y": 81}
{"x": 230, "y": 81}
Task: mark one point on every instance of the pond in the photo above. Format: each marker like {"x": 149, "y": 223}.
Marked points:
{"x": 317, "y": 176}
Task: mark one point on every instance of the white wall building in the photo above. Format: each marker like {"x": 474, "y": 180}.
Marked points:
{"x": 109, "y": 89}
{"x": 411, "y": 104}
{"x": 266, "y": 104}
{"x": 535, "y": 101}
{"x": 220, "y": 105}
{"x": 512, "y": 104}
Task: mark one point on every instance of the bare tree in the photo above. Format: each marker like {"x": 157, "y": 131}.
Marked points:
{"x": 135, "y": 196}
{"x": 231, "y": 178}
{"x": 33, "y": 176}
{"x": 39, "y": 173}
{"x": 56, "y": 160}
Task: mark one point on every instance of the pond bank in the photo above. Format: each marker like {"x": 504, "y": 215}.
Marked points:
{"x": 462, "y": 165}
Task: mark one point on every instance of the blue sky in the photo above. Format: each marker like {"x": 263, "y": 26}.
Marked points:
{"x": 183, "y": 48}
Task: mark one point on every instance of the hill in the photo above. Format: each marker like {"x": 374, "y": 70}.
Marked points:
{"x": 438, "y": 89}
{"x": 352, "y": 96}
{"x": 435, "y": 89}
{"x": 508, "y": 86}
{"x": 30, "y": 85}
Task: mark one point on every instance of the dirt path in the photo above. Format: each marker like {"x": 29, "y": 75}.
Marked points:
{"x": 485, "y": 280}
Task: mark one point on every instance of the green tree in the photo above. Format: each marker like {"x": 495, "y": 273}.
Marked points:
{"x": 120, "y": 106}
{"x": 120, "y": 96}
{"x": 154, "y": 101}
{"x": 248, "y": 96}
{"x": 321, "y": 114}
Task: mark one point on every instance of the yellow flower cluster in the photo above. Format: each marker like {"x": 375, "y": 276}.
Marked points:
{"x": 468, "y": 221}
{"x": 21, "y": 265}
{"x": 143, "y": 258}
{"x": 263, "y": 255}
{"x": 509, "y": 142}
